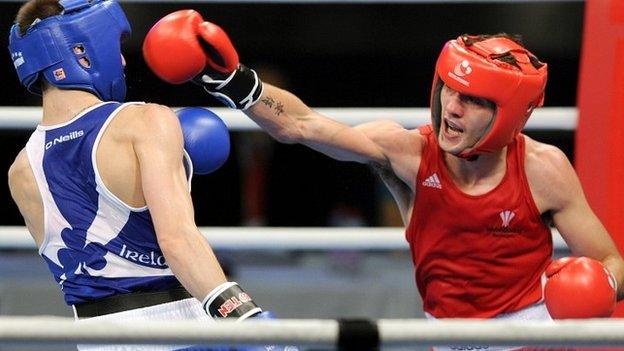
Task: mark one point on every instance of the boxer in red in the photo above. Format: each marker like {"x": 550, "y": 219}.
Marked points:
{"x": 473, "y": 191}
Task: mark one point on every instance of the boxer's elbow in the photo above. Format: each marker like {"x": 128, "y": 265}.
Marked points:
{"x": 178, "y": 254}
{"x": 308, "y": 128}
{"x": 171, "y": 247}
{"x": 176, "y": 242}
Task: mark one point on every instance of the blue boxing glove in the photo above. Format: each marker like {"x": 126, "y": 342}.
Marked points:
{"x": 264, "y": 315}
{"x": 206, "y": 138}
{"x": 268, "y": 315}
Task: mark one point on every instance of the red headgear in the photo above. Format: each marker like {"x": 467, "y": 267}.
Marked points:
{"x": 476, "y": 69}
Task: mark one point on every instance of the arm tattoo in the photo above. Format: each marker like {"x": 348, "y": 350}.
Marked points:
{"x": 279, "y": 108}
{"x": 271, "y": 103}
{"x": 268, "y": 101}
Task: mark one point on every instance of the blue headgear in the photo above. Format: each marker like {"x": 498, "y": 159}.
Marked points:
{"x": 87, "y": 33}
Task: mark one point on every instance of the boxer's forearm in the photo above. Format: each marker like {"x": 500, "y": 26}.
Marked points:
{"x": 193, "y": 262}
{"x": 280, "y": 113}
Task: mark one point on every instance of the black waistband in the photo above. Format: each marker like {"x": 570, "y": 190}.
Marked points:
{"x": 125, "y": 302}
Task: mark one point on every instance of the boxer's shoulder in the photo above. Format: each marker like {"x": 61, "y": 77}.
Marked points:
{"x": 20, "y": 173}
{"x": 549, "y": 173}
{"x": 25, "y": 193}
{"x": 539, "y": 150}
{"x": 544, "y": 161}
{"x": 20, "y": 163}
{"x": 402, "y": 148}
{"x": 139, "y": 121}
{"x": 141, "y": 114}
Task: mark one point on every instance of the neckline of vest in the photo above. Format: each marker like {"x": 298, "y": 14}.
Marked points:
{"x": 75, "y": 118}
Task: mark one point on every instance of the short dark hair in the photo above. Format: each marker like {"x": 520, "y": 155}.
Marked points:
{"x": 517, "y": 38}
{"x": 36, "y": 9}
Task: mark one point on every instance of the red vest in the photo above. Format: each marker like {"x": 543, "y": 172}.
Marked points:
{"x": 476, "y": 256}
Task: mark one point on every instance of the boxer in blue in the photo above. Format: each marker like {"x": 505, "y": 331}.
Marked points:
{"x": 103, "y": 185}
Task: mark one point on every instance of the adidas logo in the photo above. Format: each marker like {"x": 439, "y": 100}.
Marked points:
{"x": 433, "y": 182}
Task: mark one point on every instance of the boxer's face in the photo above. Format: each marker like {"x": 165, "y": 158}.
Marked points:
{"x": 464, "y": 120}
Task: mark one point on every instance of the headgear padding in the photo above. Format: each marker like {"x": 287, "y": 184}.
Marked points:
{"x": 77, "y": 49}
{"x": 476, "y": 70}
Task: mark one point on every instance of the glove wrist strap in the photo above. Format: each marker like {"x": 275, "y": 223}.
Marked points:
{"x": 240, "y": 90}
{"x": 229, "y": 300}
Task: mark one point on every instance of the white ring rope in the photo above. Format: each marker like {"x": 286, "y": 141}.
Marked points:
{"x": 558, "y": 118}
{"x": 276, "y": 238}
{"x": 318, "y": 333}
{"x": 339, "y": 1}
{"x": 59, "y": 330}
{"x": 598, "y": 332}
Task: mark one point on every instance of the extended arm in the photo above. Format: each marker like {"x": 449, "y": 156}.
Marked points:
{"x": 212, "y": 62}
{"x": 279, "y": 112}
{"x": 285, "y": 117}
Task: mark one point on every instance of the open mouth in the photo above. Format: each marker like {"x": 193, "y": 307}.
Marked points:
{"x": 451, "y": 128}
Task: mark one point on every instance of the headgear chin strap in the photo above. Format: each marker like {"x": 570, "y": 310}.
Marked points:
{"x": 78, "y": 49}
{"x": 476, "y": 70}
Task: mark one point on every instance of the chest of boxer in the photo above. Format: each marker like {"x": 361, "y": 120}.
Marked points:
{"x": 476, "y": 256}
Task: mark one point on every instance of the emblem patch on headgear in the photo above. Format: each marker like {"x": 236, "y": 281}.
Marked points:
{"x": 461, "y": 69}
{"x": 59, "y": 74}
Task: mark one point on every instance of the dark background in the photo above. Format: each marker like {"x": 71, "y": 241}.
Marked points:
{"x": 331, "y": 55}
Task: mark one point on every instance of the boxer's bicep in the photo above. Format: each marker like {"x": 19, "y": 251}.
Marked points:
{"x": 342, "y": 142}
{"x": 582, "y": 230}
{"x": 572, "y": 215}
{"x": 159, "y": 149}
{"x": 586, "y": 235}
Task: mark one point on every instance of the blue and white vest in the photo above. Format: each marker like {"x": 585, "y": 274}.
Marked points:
{"x": 94, "y": 244}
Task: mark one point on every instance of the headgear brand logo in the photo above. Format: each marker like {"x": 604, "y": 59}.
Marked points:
{"x": 18, "y": 59}
{"x": 461, "y": 69}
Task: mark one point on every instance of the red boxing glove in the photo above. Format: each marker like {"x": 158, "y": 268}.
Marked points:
{"x": 182, "y": 45}
{"x": 579, "y": 287}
